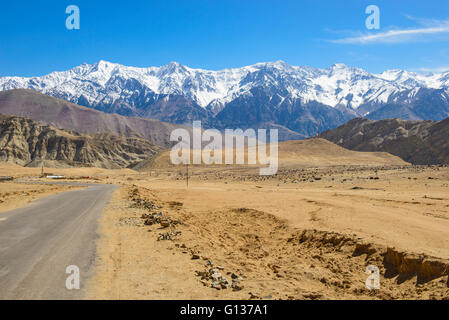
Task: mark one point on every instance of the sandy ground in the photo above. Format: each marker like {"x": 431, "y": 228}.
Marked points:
{"x": 8, "y": 169}
{"x": 308, "y": 233}
{"x": 16, "y": 195}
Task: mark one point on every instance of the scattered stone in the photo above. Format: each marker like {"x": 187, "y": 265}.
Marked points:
{"x": 168, "y": 235}
{"x": 216, "y": 285}
{"x": 313, "y": 295}
{"x": 252, "y": 296}
{"x": 158, "y": 218}
{"x": 165, "y": 223}
{"x": 175, "y": 204}
{"x": 144, "y": 204}
{"x": 217, "y": 280}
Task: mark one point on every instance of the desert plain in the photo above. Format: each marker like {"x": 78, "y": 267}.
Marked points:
{"x": 308, "y": 232}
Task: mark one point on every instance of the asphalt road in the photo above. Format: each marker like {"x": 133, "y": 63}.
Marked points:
{"x": 38, "y": 242}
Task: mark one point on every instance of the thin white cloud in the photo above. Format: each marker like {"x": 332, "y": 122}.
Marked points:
{"x": 432, "y": 28}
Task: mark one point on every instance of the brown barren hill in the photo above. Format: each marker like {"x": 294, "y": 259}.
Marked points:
{"x": 27, "y": 143}
{"x": 65, "y": 115}
{"x": 314, "y": 152}
{"x": 320, "y": 152}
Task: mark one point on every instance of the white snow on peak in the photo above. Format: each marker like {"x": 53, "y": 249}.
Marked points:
{"x": 105, "y": 82}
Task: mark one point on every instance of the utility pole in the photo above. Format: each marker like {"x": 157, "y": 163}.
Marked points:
{"x": 42, "y": 169}
{"x": 187, "y": 167}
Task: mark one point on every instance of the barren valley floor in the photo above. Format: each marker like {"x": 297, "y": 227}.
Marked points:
{"x": 304, "y": 234}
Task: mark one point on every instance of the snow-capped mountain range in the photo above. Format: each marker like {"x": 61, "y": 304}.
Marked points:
{"x": 299, "y": 100}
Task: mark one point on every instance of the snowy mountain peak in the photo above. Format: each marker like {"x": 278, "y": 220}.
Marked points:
{"x": 174, "y": 67}
{"x": 339, "y": 66}
{"x": 338, "y": 85}
{"x": 279, "y": 64}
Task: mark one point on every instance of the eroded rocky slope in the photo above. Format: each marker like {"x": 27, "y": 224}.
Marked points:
{"x": 417, "y": 142}
{"x": 28, "y": 143}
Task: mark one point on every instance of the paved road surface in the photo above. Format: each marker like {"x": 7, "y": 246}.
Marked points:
{"x": 39, "y": 241}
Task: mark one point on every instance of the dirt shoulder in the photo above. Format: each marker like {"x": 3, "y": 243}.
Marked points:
{"x": 16, "y": 195}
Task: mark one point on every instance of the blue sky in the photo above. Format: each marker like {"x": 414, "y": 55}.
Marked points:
{"x": 212, "y": 34}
